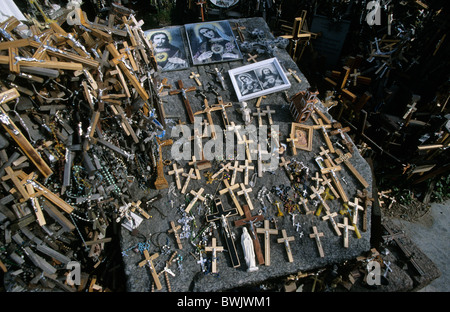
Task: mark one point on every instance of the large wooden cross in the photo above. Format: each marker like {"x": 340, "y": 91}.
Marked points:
{"x": 207, "y": 110}
{"x": 251, "y": 220}
{"x": 316, "y": 235}
{"x": 214, "y": 249}
{"x": 267, "y": 231}
{"x": 344, "y": 158}
{"x": 285, "y": 240}
{"x": 222, "y": 215}
{"x": 197, "y": 196}
{"x": 246, "y": 167}
{"x": 174, "y": 229}
{"x": 321, "y": 126}
{"x": 229, "y": 188}
{"x": 332, "y": 170}
{"x": 182, "y": 90}
{"x": 149, "y": 261}
{"x": 176, "y": 172}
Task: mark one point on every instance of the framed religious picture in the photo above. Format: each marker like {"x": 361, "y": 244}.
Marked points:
{"x": 258, "y": 79}
{"x": 212, "y": 42}
{"x": 168, "y": 48}
{"x": 301, "y": 136}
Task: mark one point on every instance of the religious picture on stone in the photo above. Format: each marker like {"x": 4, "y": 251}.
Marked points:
{"x": 168, "y": 48}
{"x": 258, "y": 79}
{"x": 212, "y": 42}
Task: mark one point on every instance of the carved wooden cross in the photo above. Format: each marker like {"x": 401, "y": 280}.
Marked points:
{"x": 207, "y": 110}
{"x": 229, "y": 188}
{"x": 250, "y": 220}
{"x": 317, "y": 179}
{"x": 245, "y": 192}
{"x": 223, "y": 108}
{"x": 149, "y": 261}
{"x": 285, "y": 240}
{"x": 246, "y": 168}
{"x": 214, "y": 249}
{"x": 356, "y": 207}
{"x": 197, "y": 196}
{"x": 189, "y": 176}
{"x": 183, "y": 91}
{"x": 252, "y": 58}
{"x": 161, "y": 182}
{"x": 317, "y": 194}
{"x": 291, "y": 140}
{"x": 137, "y": 206}
{"x": 174, "y": 229}
{"x": 235, "y": 128}
{"x": 367, "y": 199}
{"x": 176, "y": 172}
{"x": 267, "y": 232}
{"x": 344, "y": 158}
{"x": 339, "y": 130}
{"x": 196, "y": 169}
{"x": 195, "y": 77}
{"x": 284, "y": 164}
{"x": 222, "y": 215}
{"x": 346, "y": 228}
{"x": 330, "y": 216}
{"x": 316, "y": 235}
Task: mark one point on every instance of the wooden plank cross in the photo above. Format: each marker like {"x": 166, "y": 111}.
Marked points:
{"x": 149, "y": 261}
{"x": 367, "y": 200}
{"x": 332, "y": 169}
{"x": 183, "y": 91}
{"x": 267, "y": 232}
{"x": 251, "y": 220}
{"x": 174, "y": 229}
{"x": 338, "y": 129}
{"x": 285, "y": 240}
{"x": 214, "y": 249}
{"x": 176, "y": 172}
{"x": 197, "y": 196}
{"x": 316, "y": 235}
{"x": 229, "y": 188}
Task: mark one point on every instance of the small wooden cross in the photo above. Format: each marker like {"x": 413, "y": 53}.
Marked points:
{"x": 197, "y": 171}
{"x": 195, "y": 77}
{"x": 245, "y": 192}
{"x": 259, "y": 114}
{"x": 207, "y": 110}
{"x": 344, "y": 158}
{"x": 346, "y": 228}
{"x": 356, "y": 207}
{"x": 317, "y": 179}
{"x": 338, "y": 129}
{"x": 252, "y": 58}
{"x": 367, "y": 199}
{"x": 183, "y": 91}
{"x": 223, "y": 108}
{"x": 304, "y": 202}
{"x": 330, "y": 216}
{"x": 266, "y": 231}
{"x": 291, "y": 140}
{"x": 235, "y": 168}
{"x": 317, "y": 194}
{"x": 285, "y": 240}
{"x": 176, "y": 172}
{"x": 239, "y": 29}
{"x": 235, "y": 128}
{"x": 268, "y": 112}
{"x": 284, "y": 164}
{"x": 246, "y": 167}
{"x": 225, "y": 167}
{"x": 174, "y": 229}
{"x": 197, "y": 196}
{"x": 316, "y": 235}
{"x": 137, "y": 205}
{"x": 247, "y": 146}
{"x": 326, "y": 181}
{"x": 229, "y": 188}
{"x": 214, "y": 249}
{"x": 324, "y": 128}
{"x": 189, "y": 176}
{"x": 250, "y": 220}
{"x": 355, "y": 75}
{"x": 332, "y": 169}
{"x": 260, "y": 163}
{"x": 149, "y": 261}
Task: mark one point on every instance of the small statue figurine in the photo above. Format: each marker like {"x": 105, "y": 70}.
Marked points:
{"x": 249, "y": 253}
{"x": 246, "y": 113}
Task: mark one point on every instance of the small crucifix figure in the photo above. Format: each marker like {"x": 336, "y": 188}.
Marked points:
{"x": 222, "y": 215}
{"x": 316, "y": 235}
{"x": 195, "y": 77}
{"x": 176, "y": 172}
{"x": 317, "y": 193}
{"x": 284, "y": 164}
{"x": 246, "y": 168}
{"x": 235, "y": 168}
{"x": 201, "y": 3}
{"x": 317, "y": 179}
{"x": 196, "y": 169}
{"x": 304, "y": 203}
{"x": 223, "y": 108}
{"x": 320, "y": 125}
{"x": 251, "y": 220}
{"x": 219, "y": 77}
{"x": 149, "y": 261}
{"x": 267, "y": 232}
{"x": 345, "y": 158}
{"x": 346, "y": 228}
{"x": 247, "y": 146}
{"x": 338, "y": 129}
{"x": 174, "y": 229}
{"x": 245, "y": 192}
{"x": 355, "y": 207}
{"x": 260, "y": 163}
{"x": 214, "y": 249}
{"x": 332, "y": 170}
{"x": 183, "y": 91}
{"x": 239, "y": 29}
{"x": 197, "y": 196}
{"x": 330, "y": 216}
{"x": 189, "y": 176}
{"x": 326, "y": 181}
{"x": 235, "y": 128}
{"x": 229, "y": 188}
{"x": 285, "y": 240}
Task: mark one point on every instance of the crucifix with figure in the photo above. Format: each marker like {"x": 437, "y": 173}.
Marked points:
{"x": 285, "y": 240}
{"x": 149, "y": 261}
{"x": 197, "y": 196}
{"x": 174, "y": 229}
{"x": 176, "y": 171}
{"x": 221, "y": 215}
{"x": 214, "y": 249}
{"x": 267, "y": 231}
{"x": 183, "y": 91}
{"x": 207, "y": 110}
{"x": 316, "y": 235}
{"x": 251, "y": 220}
{"x": 230, "y": 188}
{"x": 246, "y": 167}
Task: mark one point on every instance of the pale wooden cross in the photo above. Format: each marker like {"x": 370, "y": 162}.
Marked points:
{"x": 223, "y": 108}
{"x": 260, "y": 163}
{"x": 235, "y": 128}
{"x": 338, "y": 129}
{"x": 325, "y": 152}
{"x": 245, "y": 192}
{"x": 316, "y": 235}
{"x": 330, "y": 216}
{"x": 332, "y": 169}
{"x": 137, "y": 205}
{"x": 183, "y": 91}
{"x": 304, "y": 202}
{"x": 346, "y": 228}
{"x": 355, "y": 75}
{"x": 317, "y": 194}
{"x": 176, "y": 172}
{"x": 320, "y": 125}
{"x": 197, "y": 196}
{"x": 356, "y": 207}
{"x": 189, "y": 176}
{"x": 214, "y": 249}
{"x": 344, "y": 158}
{"x": 284, "y": 164}
{"x": 252, "y": 58}
{"x": 149, "y": 261}
{"x": 293, "y": 73}
{"x": 268, "y": 112}
{"x": 247, "y": 148}
{"x": 194, "y": 164}
{"x": 174, "y": 229}
{"x": 225, "y": 167}
{"x": 229, "y": 188}
{"x": 291, "y": 140}
{"x": 207, "y": 110}
{"x": 285, "y": 240}
{"x": 317, "y": 179}
{"x": 235, "y": 169}
{"x": 259, "y": 114}
{"x": 326, "y": 181}
{"x": 267, "y": 232}
{"x": 246, "y": 167}
{"x": 195, "y": 77}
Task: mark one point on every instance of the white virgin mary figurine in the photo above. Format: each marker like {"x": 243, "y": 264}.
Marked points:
{"x": 249, "y": 253}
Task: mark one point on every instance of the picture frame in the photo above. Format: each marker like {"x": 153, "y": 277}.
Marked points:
{"x": 302, "y": 136}
{"x": 212, "y": 42}
{"x": 169, "y": 48}
{"x": 258, "y": 79}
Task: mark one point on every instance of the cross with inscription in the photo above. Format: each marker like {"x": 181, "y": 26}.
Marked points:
{"x": 267, "y": 232}
{"x": 222, "y": 215}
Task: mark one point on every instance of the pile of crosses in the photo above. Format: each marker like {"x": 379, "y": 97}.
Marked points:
{"x": 80, "y": 127}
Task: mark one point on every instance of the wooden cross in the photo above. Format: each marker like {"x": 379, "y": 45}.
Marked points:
{"x": 174, "y": 229}
{"x": 266, "y": 231}
{"x": 12, "y": 175}
{"x": 161, "y": 182}
{"x": 260, "y": 164}
{"x": 246, "y": 167}
{"x": 294, "y": 74}
{"x": 238, "y": 28}
{"x": 235, "y": 168}
{"x": 223, "y": 108}
{"x": 332, "y": 169}
{"x": 324, "y": 128}
{"x": 214, "y": 249}
{"x": 316, "y": 235}
{"x": 344, "y": 158}
{"x": 317, "y": 179}
{"x": 247, "y": 148}
{"x": 35, "y": 203}
{"x": 225, "y": 167}
{"x": 229, "y": 188}
{"x": 137, "y": 205}
{"x": 195, "y": 77}
{"x": 235, "y": 128}
{"x": 252, "y": 58}
{"x": 176, "y": 172}
{"x": 182, "y": 90}
{"x": 148, "y": 260}
{"x": 326, "y": 181}
{"x": 412, "y": 107}
{"x": 339, "y": 130}
{"x": 207, "y": 110}
{"x": 330, "y": 216}
{"x": 356, "y": 207}
{"x": 285, "y": 240}
{"x": 346, "y": 228}
{"x": 268, "y": 112}
{"x": 367, "y": 199}
{"x": 196, "y": 169}
{"x": 355, "y": 75}
{"x": 250, "y": 220}
{"x": 304, "y": 203}
{"x": 284, "y": 164}
{"x": 189, "y": 176}
{"x": 291, "y": 140}
{"x": 259, "y": 114}
{"x": 197, "y": 196}
{"x": 245, "y": 192}
{"x": 317, "y": 194}
{"x": 222, "y": 215}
